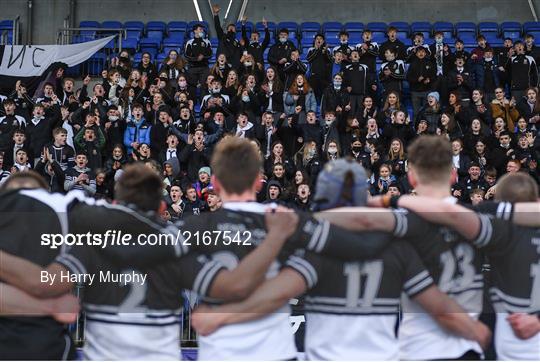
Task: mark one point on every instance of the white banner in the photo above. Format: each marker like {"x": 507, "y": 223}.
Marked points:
{"x": 33, "y": 60}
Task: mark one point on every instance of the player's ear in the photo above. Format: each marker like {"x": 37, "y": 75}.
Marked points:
{"x": 258, "y": 184}
{"x": 162, "y": 207}
{"x": 453, "y": 176}
{"x": 411, "y": 176}
{"x": 215, "y": 184}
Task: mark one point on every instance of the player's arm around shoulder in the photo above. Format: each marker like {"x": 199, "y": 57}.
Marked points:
{"x": 237, "y": 284}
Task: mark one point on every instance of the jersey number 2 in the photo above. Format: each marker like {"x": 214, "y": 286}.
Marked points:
{"x": 373, "y": 274}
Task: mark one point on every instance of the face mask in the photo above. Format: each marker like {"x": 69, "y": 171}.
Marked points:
{"x": 113, "y": 118}
{"x": 201, "y": 34}
{"x": 357, "y": 148}
{"x": 248, "y": 64}
{"x": 328, "y": 122}
{"x": 488, "y": 59}
{"x": 438, "y": 40}
{"x": 337, "y": 85}
{"x": 344, "y": 41}
{"x": 283, "y": 40}
{"x": 311, "y": 152}
{"x": 252, "y": 42}
{"x": 332, "y": 150}
{"x": 245, "y": 98}
{"x": 216, "y": 90}
{"x": 130, "y": 98}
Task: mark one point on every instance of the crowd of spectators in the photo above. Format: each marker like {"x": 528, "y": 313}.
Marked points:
{"x": 300, "y": 115}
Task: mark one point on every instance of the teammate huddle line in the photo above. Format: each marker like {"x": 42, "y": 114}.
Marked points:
{"x": 356, "y": 267}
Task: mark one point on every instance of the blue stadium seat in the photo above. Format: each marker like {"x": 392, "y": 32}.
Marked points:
{"x": 111, "y": 45}
{"x": 403, "y": 28}
{"x": 271, "y": 27}
{"x": 156, "y": 25}
{"x": 465, "y": 28}
{"x": 137, "y": 59}
{"x": 134, "y": 29}
{"x": 249, "y": 27}
{"x": 6, "y": 24}
{"x": 89, "y": 34}
{"x": 445, "y": 27}
{"x": 377, "y": 26}
{"x": 531, "y": 26}
{"x": 488, "y": 29}
{"x": 423, "y": 27}
{"x": 306, "y": 43}
{"x": 89, "y": 24}
{"x": 490, "y": 37}
{"x": 130, "y": 44}
{"x": 535, "y": 33}
{"x": 469, "y": 40}
{"x": 511, "y": 29}
{"x": 161, "y": 57}
{"x": 176, "y": 29}
{"x": 173, "y": 42}
{"x": 291, "y": 26}
{"x": 96, "y": 63}
{"x": 379, "y": 37}
{"x": 355, "y": 38}
{"x": 155, "y": 29}
{"x": 332, "y": 42}
{"x": 112, "y": 24}
{"x": 354, "y": 27}
{"x": 150, "y": 45}
{"x": 332, "y": 25}
{"x": 331, "y": 29}
{"x": 310, "y": 29}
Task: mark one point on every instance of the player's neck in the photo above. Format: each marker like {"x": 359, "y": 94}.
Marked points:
{"x": 244, "y": 197}
{"x": 435, "y": 191}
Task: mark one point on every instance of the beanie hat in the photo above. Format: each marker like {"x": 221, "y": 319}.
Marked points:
{"x": 205, "y": 170}
{"x": 434, "y": 95}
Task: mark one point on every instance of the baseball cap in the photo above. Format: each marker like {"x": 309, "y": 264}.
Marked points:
{"x": 332, "y": 182}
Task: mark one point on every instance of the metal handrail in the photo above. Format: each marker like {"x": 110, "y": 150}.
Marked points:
{"x": 4, "y": 38}
{"x": 16, "y": 30}
{"x": 64, "y": 35}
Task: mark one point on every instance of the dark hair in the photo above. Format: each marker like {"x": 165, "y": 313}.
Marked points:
{"x": 139, "y": 186}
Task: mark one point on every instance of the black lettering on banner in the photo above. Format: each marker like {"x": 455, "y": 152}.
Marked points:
{"x": 20, "y": 55}
{"x": 34, "y": 57}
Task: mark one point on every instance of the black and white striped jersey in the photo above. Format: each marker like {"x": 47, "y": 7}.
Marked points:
{"x": 141, "y": 313}
{"x": 270, "y": 337}
{"x": 514, "y": 256}
{"x": 371, "y": 287}
{"x": 456, "y": 267}
{"x": 359, "y": 301}
{"x": 25, "y": 215}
